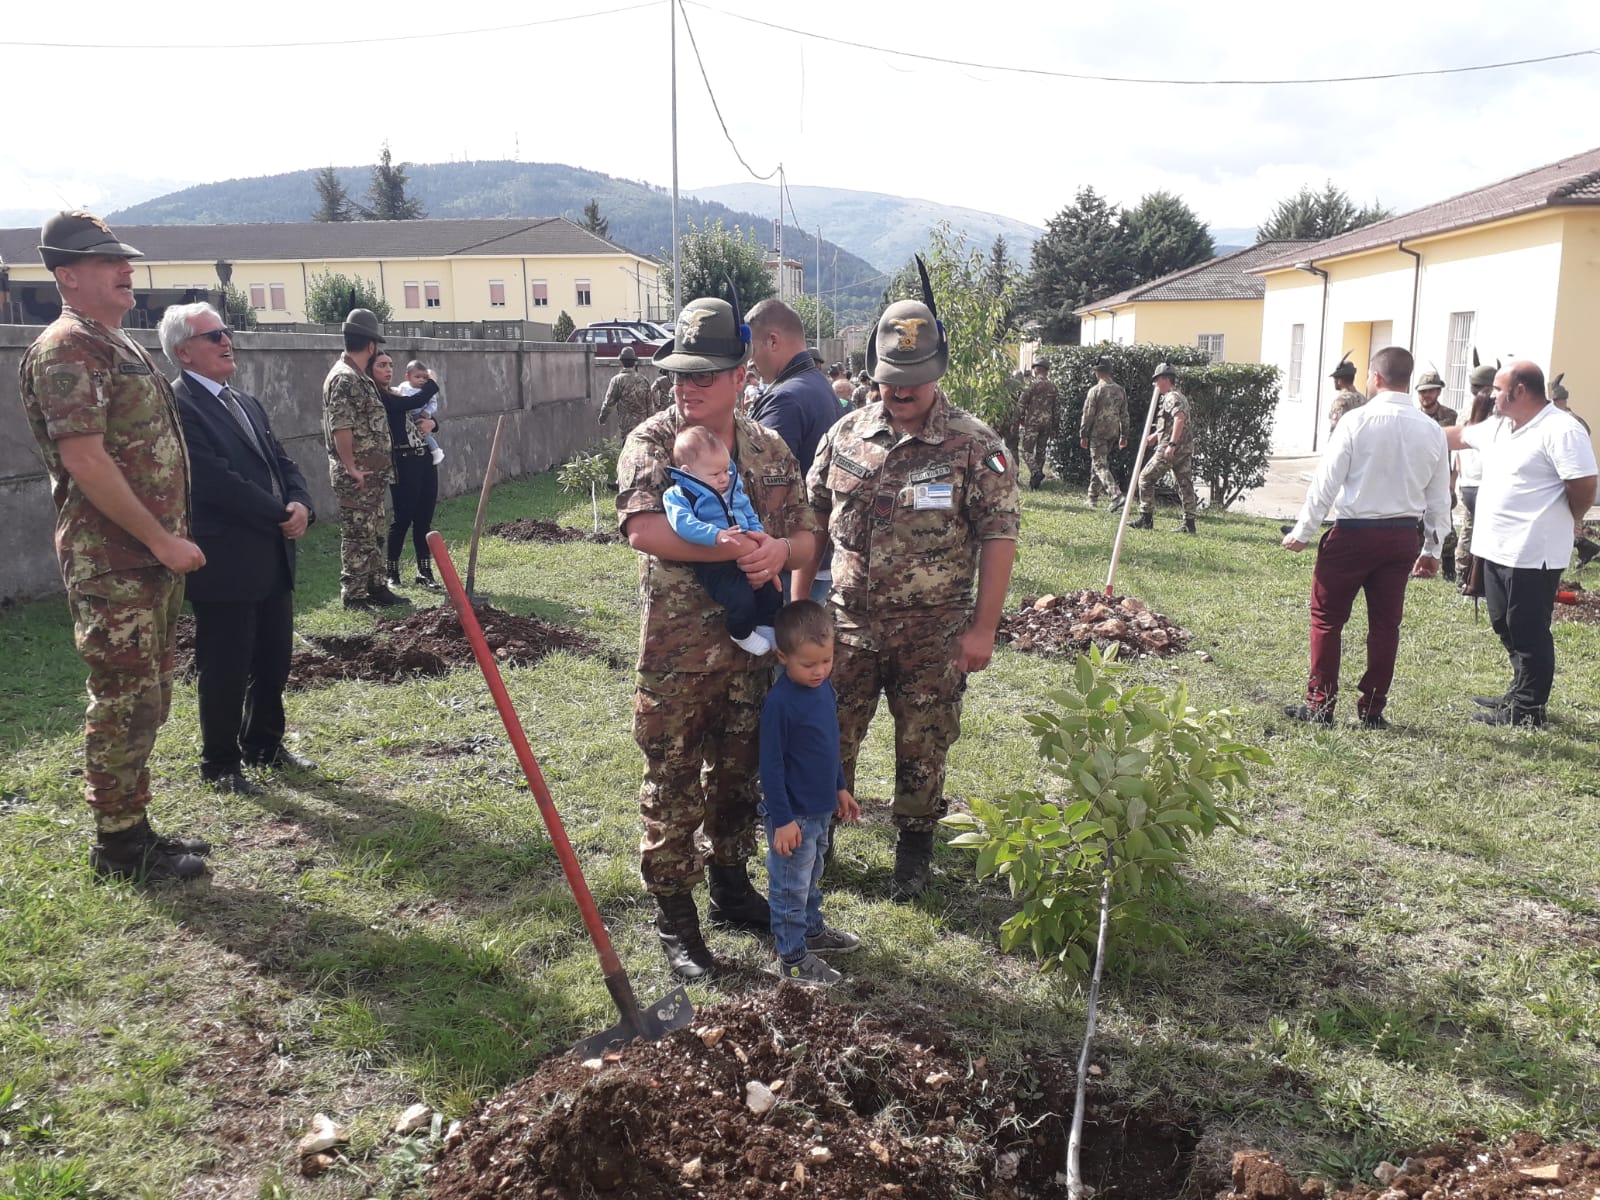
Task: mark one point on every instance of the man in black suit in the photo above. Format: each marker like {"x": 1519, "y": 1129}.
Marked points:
{"x": 250, "y": 505}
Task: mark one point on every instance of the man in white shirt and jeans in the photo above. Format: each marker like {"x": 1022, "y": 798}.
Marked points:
{"x": 1538, "y": 480}
{"x": 1386, "y": 467}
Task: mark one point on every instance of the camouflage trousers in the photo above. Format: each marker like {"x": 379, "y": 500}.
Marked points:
{"x": 911, "y": 660}
{"x": 1035, "y": 439}
{"x": 1102, "y": 482}
{"x": 124, "y": 625}
{"x": 698, "y": 732}
{"x": 362, "y": 530}
{"x": 1469, "y": 510}
{"x": 1181, "y": 465}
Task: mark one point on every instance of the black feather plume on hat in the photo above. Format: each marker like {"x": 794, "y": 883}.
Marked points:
{"x": 927, "y": 293}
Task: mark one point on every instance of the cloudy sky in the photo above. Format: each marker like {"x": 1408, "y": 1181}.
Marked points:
{"x": 193, "y": 93}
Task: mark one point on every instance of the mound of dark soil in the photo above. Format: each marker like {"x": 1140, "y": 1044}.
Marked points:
{"x": 428, "y": 642}
{"x": 530, "y": 529}
{"x": 1575, "y": 604}
{"x": 862, "y": 1111}
{"x": 1466, "y": 1170}
{"x": 1070, "y": 623}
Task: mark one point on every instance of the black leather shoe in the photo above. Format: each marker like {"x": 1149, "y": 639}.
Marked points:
{"x": 1491, "y": 701}
{"x": 1373, "y": 721}
{"x": 232, "y": 783}
{"x": 1145, "y": 521}
{"x": 1312, "y": 716}
{"x": 735, "y": 901}
{"x": 678, "y": 927}
{"x": 362, "y": 603}
{"x": 142, "y": 855}
{"x": 384, "y": 597}
{"x": 279, "y": 759}
{"x": 1512, "y": 714}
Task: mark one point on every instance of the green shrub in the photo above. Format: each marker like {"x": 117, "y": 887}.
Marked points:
{"x": 589, "y": 471}
{"x": 330, "y": 294}
{"x": 1138, "y": 775}
{"x": 563, "y": 327}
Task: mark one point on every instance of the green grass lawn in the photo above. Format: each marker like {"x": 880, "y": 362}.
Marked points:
{"x": 1404, "y": 941}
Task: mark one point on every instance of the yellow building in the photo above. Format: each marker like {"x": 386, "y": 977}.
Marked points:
{"x": 1216, "y": 306}
{"x": 524, "y": 269}
{"x": 1508, "y": 270}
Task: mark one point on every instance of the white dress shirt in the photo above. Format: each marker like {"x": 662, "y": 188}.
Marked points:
{"x": 1523, "y": 517}
{"x": 1387, "y": 460}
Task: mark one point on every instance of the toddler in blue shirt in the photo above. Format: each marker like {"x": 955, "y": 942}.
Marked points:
{"x": 802, "y": 784}
{"x": 708, "y": 506}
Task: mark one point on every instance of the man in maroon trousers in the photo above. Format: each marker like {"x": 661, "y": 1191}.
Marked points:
{"x": 1386, "y": 467}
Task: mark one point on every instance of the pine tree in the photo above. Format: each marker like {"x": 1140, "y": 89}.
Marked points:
{"x": 386, "y": 197}
{"x": 333, "y": 202}
{"x": 1165, "y": 236}
{"x": 592, "y": 220}
{"x": 1083, "y": 256}
{"x": 1318, "y": 215}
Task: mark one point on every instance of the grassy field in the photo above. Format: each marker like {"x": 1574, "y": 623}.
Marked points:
{"x": 1404, "y": 942}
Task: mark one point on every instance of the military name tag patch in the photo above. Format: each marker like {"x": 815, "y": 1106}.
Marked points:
{"x": 933, "y": 495}
{"x": 996, "y": 462}
{"x": 851, "y": 466}
{"x": 774, "y": 480}
{"x": 132, "y": 369}
{"x": 928, "y": 473}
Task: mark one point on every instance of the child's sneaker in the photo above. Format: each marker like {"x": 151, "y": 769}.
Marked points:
{"x": 832, "y": 941}
{"x": 754, "y": 643}
{"x": 438, "y": 456}
{"x": 810, "y": 971}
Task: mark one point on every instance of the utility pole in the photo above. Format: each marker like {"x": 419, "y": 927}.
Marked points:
{"x": 779, "y": 239}
{"x": 677, "y": 263}
{"x": 819, "y": 283}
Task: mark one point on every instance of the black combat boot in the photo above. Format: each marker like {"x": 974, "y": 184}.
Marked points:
{"x": 425, "y": 574}
{"x": 384, "y": 598}
{"x": 678, "y": 927}
{"x": 1145, "y": 521}
{"x": 143, "y": 856}
{"x": 1187, "y": 526}
{"x": 913, "y": 854}
{"x": 392, "y": 575}
{"x": 734, "y": 901}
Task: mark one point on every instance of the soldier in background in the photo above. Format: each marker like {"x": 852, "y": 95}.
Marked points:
{"x": 660, "y": 393}
{"x": 858, "y": 398}
{"x": 1428, "y": 389}
{"x": 1466, "y": 472}
{"x": 918, "y": 499}
{"x": 1174, "y": 451}
{"x": 1038, "y": 404}
{"x": 1558, "y": 397}
{"x": 107, "y": 425}
{"x": 1344, "y": 378}
{"x": 1105, "y": 420}
{"x": 628, "y": 393}
{"x": 355, "y": 428}
{"x": 697, "y": 699}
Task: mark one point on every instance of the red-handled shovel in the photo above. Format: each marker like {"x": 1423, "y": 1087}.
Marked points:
{"x": 672, "y": 1011}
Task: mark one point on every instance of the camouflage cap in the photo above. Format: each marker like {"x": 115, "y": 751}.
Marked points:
{"x": 1430, "y": 382}
{"x": 1482, "y": 376}
{"x": 69, "y": 236}
{"x": 709, "y": 338}
{"x": 908, "y": 349}
{"x": 363, "y": 322}
{"x": 1165, "y": 369}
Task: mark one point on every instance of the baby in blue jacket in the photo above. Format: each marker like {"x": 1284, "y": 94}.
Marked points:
{"x": 707, "y": 506}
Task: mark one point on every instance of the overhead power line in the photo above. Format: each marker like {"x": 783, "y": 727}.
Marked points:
{"x": 1148, "y": 81}
{"x": 366, "y": 41}
{"x": 717, "y": 108}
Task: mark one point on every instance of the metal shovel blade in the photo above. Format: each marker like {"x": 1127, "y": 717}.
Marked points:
{"x": 672, "y": 1011}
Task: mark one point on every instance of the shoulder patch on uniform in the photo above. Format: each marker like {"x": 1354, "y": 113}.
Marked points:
{"x": 132, "y": 369}
{"x": 996, "y": 461}
{"x": 60, "y": 381}
{"x": 845, "y": 463}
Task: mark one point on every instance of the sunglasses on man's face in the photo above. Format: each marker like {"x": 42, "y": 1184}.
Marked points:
{"x": 214, "y": 336}
{"x": 700, "y": 379}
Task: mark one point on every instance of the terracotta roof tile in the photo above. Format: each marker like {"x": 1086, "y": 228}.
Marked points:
{"x": 1226, "y": 277}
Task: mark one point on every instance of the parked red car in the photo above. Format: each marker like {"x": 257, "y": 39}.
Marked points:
{"x": 609, "y": 337}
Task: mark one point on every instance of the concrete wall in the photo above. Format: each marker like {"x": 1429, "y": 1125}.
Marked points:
{"x": 549, "y": 395}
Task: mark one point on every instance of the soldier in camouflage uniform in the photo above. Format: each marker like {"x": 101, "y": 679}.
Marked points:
{"x": 1429, "y": 388}
{"x": 107, "y": 425}
{"x": 1105, "y": 420}
{"x": 661, "y": 392}
{"x": 628, "y": 393}
{"x": 1174, "y": 450}
{"x": 698, "y": 697}
{"x": 1038, "y": 421}
{"x": 858, "y": 398}
{"x": 1344, "y": 377}
{"x": 355, "y": 426}
{"x": 919, "y": 498}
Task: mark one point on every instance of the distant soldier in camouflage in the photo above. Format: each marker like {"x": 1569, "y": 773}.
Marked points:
{"x": 1105, "y": 420}
{"x": 107, "y": 425}
{"x": 1429, "y": 388}
{"x": 1173, "y": 441}
{"x": 858, "y": 398}
{"x": 1348, "y": 398}
{"x": 1558, "y": 397}
{"x": 919, "y": 498}
{"x": 355, "y": 426}
{"x": 628, "y": 393}
{"x": 661, "y": 392}
{"x": 698, "y": 696}
{"x": 1038, "y": 421}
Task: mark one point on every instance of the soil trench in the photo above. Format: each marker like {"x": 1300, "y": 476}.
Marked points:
{"x": 1068, "y": 624}
{"x": 532, "y": 529}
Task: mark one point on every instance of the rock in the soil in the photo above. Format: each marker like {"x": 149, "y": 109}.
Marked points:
{"x": 313, "y": 1165}
{"x": 1005, "y": 1167}
{"x": 324, "y": 1135}
{"x": 1550, "y": 1172}
{"x": 1257, "y": 1177}
{"x": 413, "y": 1119}
{"x": 1385, "y": 1172}
{"x": 711, "y": 1036}
{"x": 820, "y": 1154}
{"x": 758, "y": 1097}
{"x": 693, "y": 1169}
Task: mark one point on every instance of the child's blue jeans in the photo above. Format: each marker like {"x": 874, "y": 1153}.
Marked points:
{"x": 794, "y": 884}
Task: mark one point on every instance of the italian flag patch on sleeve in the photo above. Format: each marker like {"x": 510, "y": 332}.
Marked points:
{"x": 996, "y": 462}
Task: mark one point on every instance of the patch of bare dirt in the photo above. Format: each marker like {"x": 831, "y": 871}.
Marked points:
{"x": 1527, "y": 1166}
{"x": 531, "y": 529}
{"x": 863, "y": 1110}
{"x": 428, "y": 642}
{"x": 1070, "y": 623}
{"x": 1575, "y": 604}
